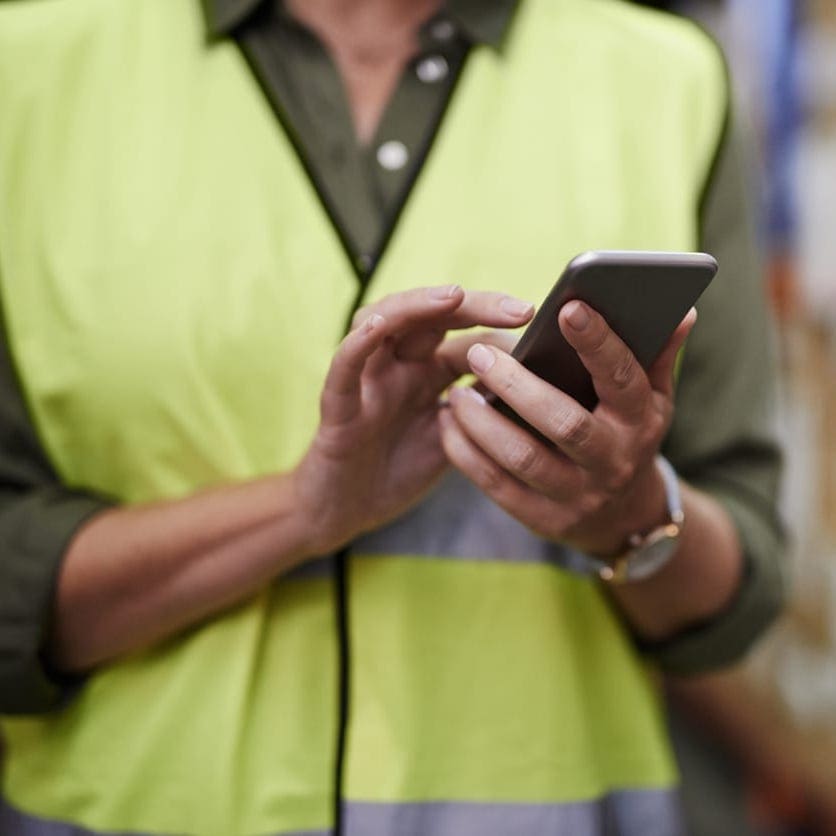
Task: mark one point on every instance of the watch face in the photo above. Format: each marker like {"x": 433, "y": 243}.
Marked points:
{"x": 653, "y": 554}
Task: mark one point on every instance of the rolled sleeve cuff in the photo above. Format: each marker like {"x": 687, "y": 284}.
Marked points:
{"x": 35, "y": 532}
{"x": 726, "y": 638}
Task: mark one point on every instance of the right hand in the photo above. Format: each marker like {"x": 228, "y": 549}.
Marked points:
{"x": 378, "y": 449}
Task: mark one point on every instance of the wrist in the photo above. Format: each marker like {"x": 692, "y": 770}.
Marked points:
{"x": 650, "y": 550}
{"x": 644, "y": 507}
{"x": 641, "y": 507}
{"x": 646, "y": 549}
{"x": 321, "y": 529}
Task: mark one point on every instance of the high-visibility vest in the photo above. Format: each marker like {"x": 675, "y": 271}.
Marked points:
{"x": 174, "y": 292}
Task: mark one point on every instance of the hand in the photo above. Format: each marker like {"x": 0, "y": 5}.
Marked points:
{"x": 597, "y": 484}
{"x": 377, "y": 449}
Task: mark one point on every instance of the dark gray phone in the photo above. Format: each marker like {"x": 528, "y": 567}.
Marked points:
{"x": 642, "y": 295}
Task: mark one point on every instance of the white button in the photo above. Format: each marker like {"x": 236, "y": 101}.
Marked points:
{"x": 392, "y": 155}
{"x": 443, "y": 30}
{"x": 432, "y": 69}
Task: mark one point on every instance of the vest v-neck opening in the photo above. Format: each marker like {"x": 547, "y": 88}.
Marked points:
{"x": 379, "y": 186}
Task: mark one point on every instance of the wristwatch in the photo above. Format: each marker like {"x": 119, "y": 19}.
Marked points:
{"x": 646, "y": 553}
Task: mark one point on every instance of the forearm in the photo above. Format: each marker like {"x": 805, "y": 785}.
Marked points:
{"x": 698, "y": 583}
{"x": 136, "y": 575}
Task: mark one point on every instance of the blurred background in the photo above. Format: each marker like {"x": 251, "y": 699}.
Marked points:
{"x": 757, "y": 745}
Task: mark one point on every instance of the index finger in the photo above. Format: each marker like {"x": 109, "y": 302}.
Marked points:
{"x": 341, "y": 397}
{"x": 447, "y": 307}
{"x": 411, "y": 307}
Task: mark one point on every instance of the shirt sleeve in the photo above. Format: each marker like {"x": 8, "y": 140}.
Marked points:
{"x": 38, "y": 518}
{"x": 724, "y": 436}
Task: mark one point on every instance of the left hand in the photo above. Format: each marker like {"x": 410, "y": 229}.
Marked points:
{"x": 598, "y": 484}
{"x": 377, "y": 448}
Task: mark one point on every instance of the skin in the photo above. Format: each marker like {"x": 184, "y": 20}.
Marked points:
{"x": 370, "y": 42}
{"x": 135, "y": 576}
{"x": 598, "y": 483}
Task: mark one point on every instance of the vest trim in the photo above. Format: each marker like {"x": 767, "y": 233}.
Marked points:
{"x": 17, "y": 823}
{"x": 650, "y": 812}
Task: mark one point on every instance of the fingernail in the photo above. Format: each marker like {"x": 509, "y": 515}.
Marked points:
{"x": 515, "y": 307}
{"x": 578, "y": 316}
{"x": 445, "y": 292}
{"x": 372, "y": 322}
{"x": 480, "y": 358}
{"x": 460, "y": 392}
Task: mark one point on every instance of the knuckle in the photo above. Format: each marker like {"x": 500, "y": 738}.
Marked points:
{"x": 663, "y": 415}
{"x": 624, "y": 371}
{"x": 521, "y": 456}
{"x": 621, "y": 475}
{"x": 572, "y": 427}
{"x": 361, "y": 315}
{"x": 489, "y": 478}
{"x": 653, "y": 428}
{"x": 591, "y": 502}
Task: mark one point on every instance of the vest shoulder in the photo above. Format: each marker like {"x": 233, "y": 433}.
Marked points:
{"x": 44, "y": 44}
{"x": 50, "y": 30}
{"x": 26, "y": 23}
{"x": 53, "y": 27}
{"x": 642, "y": 35}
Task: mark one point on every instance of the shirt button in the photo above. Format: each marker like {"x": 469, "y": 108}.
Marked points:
{"x": 364, "y": 262}
{"x": 432, "y": 69}
{"x": 392, "y": 155}
{"x": 443, "y": 30}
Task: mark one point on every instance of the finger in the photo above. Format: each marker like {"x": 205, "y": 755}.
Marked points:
{"x": 452, "y": 353}
{"x": 416, "y": 322}
{"x": 448, "y": 307}
{"x": 620, "y": 382}
{"x": 575, "y": 431}
{"x": 519, "y": 500}
{"x": 661, "y": 373}
{"x": 420, "y": 345}
{"x": 342, "y": 392}
{"x": 412, "y": 307}
{"x": 494, "y": 310}
{"x": 514, "y": 449}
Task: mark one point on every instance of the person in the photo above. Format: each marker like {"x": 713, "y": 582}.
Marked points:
{"x": 261, "y": 575}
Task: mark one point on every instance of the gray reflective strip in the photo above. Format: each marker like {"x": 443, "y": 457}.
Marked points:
{"x": 458, "y": 521}
{"x": 455, "y": 521}
{"x": 15, "y": 823}
{"x": 628, "y": 813}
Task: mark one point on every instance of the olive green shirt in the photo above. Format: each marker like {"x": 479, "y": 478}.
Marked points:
{"x": 721, "y": 440}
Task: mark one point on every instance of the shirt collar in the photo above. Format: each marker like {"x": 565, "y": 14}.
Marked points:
{"x": 222, "y": 16}
{"x": 482, "y": 21}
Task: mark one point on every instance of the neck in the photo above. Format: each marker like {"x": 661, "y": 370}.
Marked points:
{"x": 374, "y": 22}
{"x": 370, "y": 42}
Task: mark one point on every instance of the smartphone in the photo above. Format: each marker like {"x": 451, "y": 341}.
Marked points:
{"x": 642, "y": 295}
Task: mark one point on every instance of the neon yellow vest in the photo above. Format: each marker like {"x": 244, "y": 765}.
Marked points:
{"x": 174, "y": 292}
